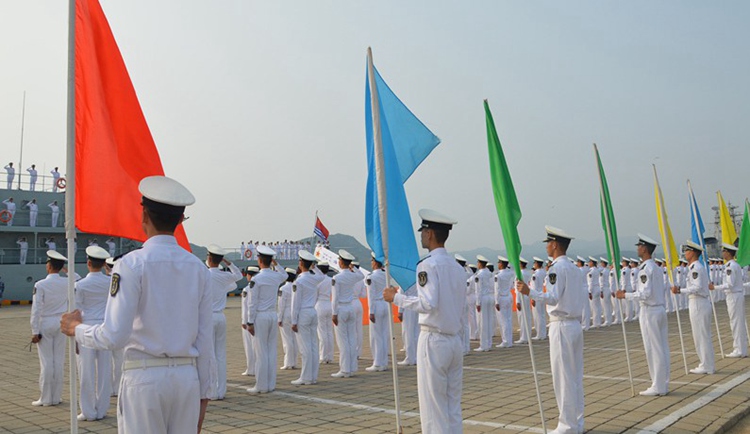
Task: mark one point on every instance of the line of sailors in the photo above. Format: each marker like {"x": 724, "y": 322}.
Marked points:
{"x": 491, "y": 291}
{"x": 33, "y": 206}
{"x": 284, "y": 250}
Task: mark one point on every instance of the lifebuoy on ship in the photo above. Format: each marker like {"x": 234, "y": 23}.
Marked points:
{"x": 5, "y": 216}
{"x": 248, "y": 253}
{"x": 61, "y": 183}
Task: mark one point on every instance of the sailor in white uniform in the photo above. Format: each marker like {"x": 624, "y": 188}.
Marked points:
{"x": 305, "y": 318}
{"x": 247, "y": 338}
{"x": 596, "y": 293}
{"x": 636, "y": 306}
{"x": 653, "y": 317}
{"x": 262, "y": 319}
{"x": 23, "y": 249}
{"x": 504, "y": 301}
{"x": 284, "y": 312}
{"x": 584, "y": 269}
{"x": 169, "y": 371}
{"x": 343, "y": 287}
{"x": 33, "y": 212}
{"x": 625, "y": 284}
{"x": 325, "y": 315}
{"x": 606, "y": 298}
{"x": 539, "y": 310}
{"x": 470, "y": 328}
{"x": 55, "y": 212}
{"x": 94, "y": 366}
{"x": 11, "y": 171}
{"x": 696, "y": 288}
{"x": 526, "y": 277}
{"x": 49, "y": 303}
{"x": 379, "y": 316}
{"x": 360, "y": 292}
{"x": 222, "y": 283}
{"x": 117, "y": 354}
{"x": 32, "y": 177}
{"x": 11, "y": 207}
{"x": 564, "y": 299}
{"x": 735, "y": 299}
{"x": 483, "y": 282}
{"x": 55, "y": 176}
{"x": 440, "y": 303}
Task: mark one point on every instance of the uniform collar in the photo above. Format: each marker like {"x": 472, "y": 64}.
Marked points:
{"x": 161, "y": 240}
{"x": 559, "y": 258}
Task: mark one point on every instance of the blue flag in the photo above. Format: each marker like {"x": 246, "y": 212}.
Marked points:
{"x": 406, "y": 143}
{"x": 696, "y": 225}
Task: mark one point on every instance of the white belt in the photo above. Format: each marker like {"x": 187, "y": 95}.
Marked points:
{"x": 425, "y": 328}
{"x": 158, "y": 362}
{"x": 652, "y": 305}
{"x": 561, "y": 319}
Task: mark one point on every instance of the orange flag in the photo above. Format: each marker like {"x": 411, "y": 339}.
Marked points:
{"x": 114, "y": 147}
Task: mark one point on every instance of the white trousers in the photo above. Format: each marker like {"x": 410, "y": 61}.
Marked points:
{"x": 653, "y": 322}
{"x": 51, "y": 360}
{"x": 55, "y": 215}
{"x": 220, "y": 352}
{"x": 540, "y": 319}
{"x": 159, "y": 400}
{"x": 668, "y": 302}
{"x": 700, "y": 323}
{"x": 469, "y": 308}
{"x": 346, "y": 337}
{"x": 32, "y": 184}
{"x": 616, "y": 307}
{"x": 736, "y": 310}
{"x": 12, "y": 215}
{"x": 439, "y": 378}
{"x": 22, "y": 258}
{"x": 307, "y": 341}
{"x": 505, "y": 318}
{"x": 410, "y": 334}
{"x": 95, "y": 375}
{"x": 566, "y": 360}
{"x": 596, "y": 309}
{"x": 607, "y": 306}
{"x": 473, "y": 318}
{"x": 32, "y": 218}
{"x": 116, "y": 370}
{"x": 379, "y": 333}
{"x": 247, "y": 342}
{"x": 586, "y": 317}
{"x": 264, "y": 344}
{"x": 629, "y": 310}
{"x": 358, "y": 312}
{"x": 325, "y": 331}
{"x": 289, "y": 343}
{"x": 486, "y": 321}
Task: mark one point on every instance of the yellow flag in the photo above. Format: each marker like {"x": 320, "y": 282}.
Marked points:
{"x": 667, "y": 240}
{"x": 728, "y": 232}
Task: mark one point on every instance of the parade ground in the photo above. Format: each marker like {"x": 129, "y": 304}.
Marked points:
{"x": 498, "y": 392}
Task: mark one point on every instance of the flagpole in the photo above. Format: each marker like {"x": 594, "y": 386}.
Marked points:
{"x": 70, "y": 227}
{"x": 668, "y": 259}
{"x": 613, "y": 259}
{"x": 20, "y": 160}
{"x": 703, "y": 246}
{"x": 383, "y": 214}
{"x": 527, "y": 328}
{"x": 312, "y": 239}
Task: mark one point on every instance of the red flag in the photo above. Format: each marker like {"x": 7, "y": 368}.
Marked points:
{"x": 114, "y": 147}
{"x": 320, "y": 230}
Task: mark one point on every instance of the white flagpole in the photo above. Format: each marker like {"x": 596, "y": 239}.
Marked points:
{"x": 312, "y": 240}
{"x": 613, "y": 258}
{"x": 383, "y": 213}
{"x": 70, "y": 226}
{"x": 667, "y": 257}
{"x": 525, "y": 312}
{"x": 703, "y": 246}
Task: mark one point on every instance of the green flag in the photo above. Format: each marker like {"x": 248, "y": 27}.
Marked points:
{"x": 743, "y": 251}
{"x": 508, "y": 211}
{"x": 608, "y": 217}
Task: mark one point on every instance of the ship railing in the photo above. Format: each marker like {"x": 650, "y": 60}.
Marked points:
{"x": 22, "y": 178}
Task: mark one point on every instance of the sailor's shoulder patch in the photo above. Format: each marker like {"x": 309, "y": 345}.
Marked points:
{"x": 114, "y": 285}
{"x": 553, "y": 278}
{"x": 422, "y": 277}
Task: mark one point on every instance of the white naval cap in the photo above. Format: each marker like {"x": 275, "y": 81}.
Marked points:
{"x": 216, "y": 250}
{"x": 266, "y": 251}
{"x": 481, "y": 258}
{"x": 501, "y": 258}
{"x": 164, "y": 194}
{"x": 253, "y": 269}
{"x": 459, "y": 258}
{"x": 581, "y": 258}
{"x": 591, "y": 258}
{"x": 683, "y": 261}
{"x": 522, "y": 260}
{"x": 538, "y": 259}
{"x": 693, "y": 246}
{"x": 658, "y": 260}
{"x": 96, "y": 252}
{"x": 434, "y": 220}
{"x": 343, "y": 254}
{"x": 554, "y": 234}
{"x": 54, "y": 254}
{"x": 355, "y": 263}
{"x": 306, "y": 256}
{"x": 110, "y": 261}
{"x": 729, "y": 247}
{"x": 290, "y": 270}
{"x": 644, "y": 240}
{"x": 323, "y": 264}
{"x": 605, "y": 260}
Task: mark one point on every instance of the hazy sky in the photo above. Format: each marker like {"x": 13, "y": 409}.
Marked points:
{"x": 258, "y": 107}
